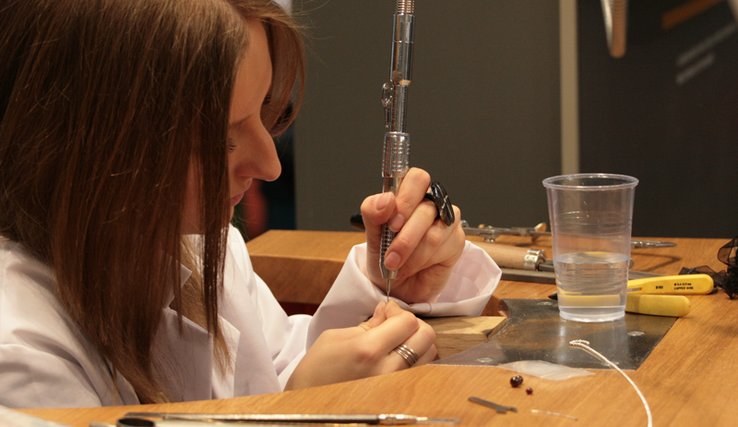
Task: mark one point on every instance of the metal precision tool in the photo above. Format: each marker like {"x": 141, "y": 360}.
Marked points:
{"x": 395, "y": 161}
{"x": 502, "y": 409}
{"x": 169, "y": 419}
{"x": 530, "y": 265}
{"x": 490, "y": 233}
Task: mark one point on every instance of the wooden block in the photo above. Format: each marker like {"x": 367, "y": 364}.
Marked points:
{"x": 300, "y": 266}
{"x": 456, "y": 334}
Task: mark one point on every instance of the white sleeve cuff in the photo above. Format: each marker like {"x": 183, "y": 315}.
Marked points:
{"x": 353, "y": 297}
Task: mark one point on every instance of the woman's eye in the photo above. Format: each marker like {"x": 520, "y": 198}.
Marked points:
{"x": 231, "y": 146}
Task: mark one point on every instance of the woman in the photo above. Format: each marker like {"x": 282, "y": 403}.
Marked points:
{"x": 128, "y": 131}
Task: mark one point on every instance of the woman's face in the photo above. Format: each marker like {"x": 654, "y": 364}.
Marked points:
{"x": 251, "y": 151}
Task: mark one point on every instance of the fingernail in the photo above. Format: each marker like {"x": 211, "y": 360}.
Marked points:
{"x": 392, "y": 261}
{"x": 396, "y": 223}
{"x": 383, "y": 200}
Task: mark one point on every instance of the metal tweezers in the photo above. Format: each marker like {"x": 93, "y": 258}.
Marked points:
{"x": 189, "y": 419}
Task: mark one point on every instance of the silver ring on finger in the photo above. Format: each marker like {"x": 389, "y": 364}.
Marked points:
{"x": 408, "y": 354}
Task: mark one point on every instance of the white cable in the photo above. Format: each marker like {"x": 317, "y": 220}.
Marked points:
{"x": 584, "y": 345}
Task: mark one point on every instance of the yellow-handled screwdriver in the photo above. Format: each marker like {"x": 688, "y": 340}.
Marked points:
{"x": 656, "y": 295}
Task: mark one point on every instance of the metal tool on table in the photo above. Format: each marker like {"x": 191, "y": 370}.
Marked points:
{"x": 530, "y": 265}
{"x": 490, "y": 233}
{"x": 500, "y": 409}
{"x": 153, "y": 419}
{"x": 395, "y": 160}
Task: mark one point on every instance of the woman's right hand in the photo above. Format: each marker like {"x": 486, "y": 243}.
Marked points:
{"x": 365, "y": 350}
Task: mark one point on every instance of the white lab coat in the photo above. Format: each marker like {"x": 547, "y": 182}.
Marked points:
{"x": 45, "y": 361}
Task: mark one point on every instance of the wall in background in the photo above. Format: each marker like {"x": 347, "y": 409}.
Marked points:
{"x": 667, "y": 113}
{"x": 483, "y": 110}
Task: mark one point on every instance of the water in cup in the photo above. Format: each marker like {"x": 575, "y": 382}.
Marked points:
{"x": 591, "y": 285}
{"x": 591, "y": 218}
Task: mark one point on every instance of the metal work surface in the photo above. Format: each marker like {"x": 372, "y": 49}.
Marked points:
{"x": 534, "y": 331}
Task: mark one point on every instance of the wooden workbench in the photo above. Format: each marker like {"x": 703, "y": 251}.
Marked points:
{"x": 689, "y": 379}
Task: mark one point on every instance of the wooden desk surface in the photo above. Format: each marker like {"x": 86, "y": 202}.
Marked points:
{"x": 690, "y": 378}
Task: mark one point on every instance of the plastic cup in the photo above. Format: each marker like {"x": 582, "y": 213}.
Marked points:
{"x": 591, "y": 222}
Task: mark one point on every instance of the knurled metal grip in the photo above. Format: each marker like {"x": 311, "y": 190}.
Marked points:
{"x": 396, "y": 159}
{"x": 395, "y": 163}
{"x": 387, "y": 237}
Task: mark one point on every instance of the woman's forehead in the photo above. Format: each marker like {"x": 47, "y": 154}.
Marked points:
{"x": 254, "y": 76}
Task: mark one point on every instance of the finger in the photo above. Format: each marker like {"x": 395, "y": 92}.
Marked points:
{"x": 422, "y": 343}
{"x": 411, "y": 234}
{"x": 377, "y": 318}
{"x": 391, "y": 308}
{"x": 441, "y": 245}
{"x": 393, "y": 331}
{"x": 411, "y": 192}
{"x": 428, "y": 356}
{"x": 376, "y": 211}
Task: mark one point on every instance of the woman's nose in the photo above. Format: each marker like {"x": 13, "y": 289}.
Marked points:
{"x": 257, "y": 158}
{"x": 271, "y": 167}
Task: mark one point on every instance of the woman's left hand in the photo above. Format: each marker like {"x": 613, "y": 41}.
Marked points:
{"x": 366, "y": 350}
{"x": 424, "y": 249}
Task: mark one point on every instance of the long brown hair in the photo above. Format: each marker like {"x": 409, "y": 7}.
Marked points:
{"x": 103, "y": 106}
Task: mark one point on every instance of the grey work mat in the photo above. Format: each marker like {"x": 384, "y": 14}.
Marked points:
{"x": 534, "y": 331}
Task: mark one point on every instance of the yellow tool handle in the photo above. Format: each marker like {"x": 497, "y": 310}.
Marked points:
{"x": 657, "y": 305}
{"x": 688, "y": 284}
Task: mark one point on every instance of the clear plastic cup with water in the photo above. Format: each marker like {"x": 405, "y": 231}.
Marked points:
{"x": 591, "y": 222}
